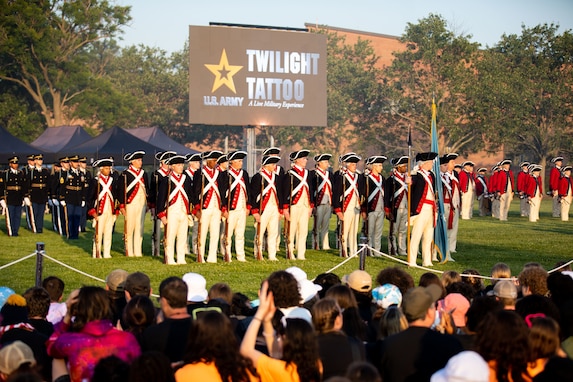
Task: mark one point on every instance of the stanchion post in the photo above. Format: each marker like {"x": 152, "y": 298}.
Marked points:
{"x": 364, "y": 251}
{"x": 39, "y": 263}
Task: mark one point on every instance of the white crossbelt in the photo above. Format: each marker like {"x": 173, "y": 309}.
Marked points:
{"x": 482, "y": 181}
{"x": 138, "y": 178}
{"x": 446, "y": 179}
{"x": 178, "y": 187}
{"x": 377, "y": 190}
{"x": 270, "y": 185}
{"x": 237, "y": 181}
{"x": 302, "y": 183}
{"x": 402, "y": 184}
{"x": 353, "y": 187}
{"x": 211, "y": 182}
{"x": 105, "y": 188}
{"x": 429, "y": 181}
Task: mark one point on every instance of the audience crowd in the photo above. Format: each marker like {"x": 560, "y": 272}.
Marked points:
{"x": 448, "y": 328}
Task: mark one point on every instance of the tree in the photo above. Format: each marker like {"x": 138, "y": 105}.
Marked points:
{"x": 436, "y": 63}
{"x": 45, "y": 45}
{"x": 523, "y": 93}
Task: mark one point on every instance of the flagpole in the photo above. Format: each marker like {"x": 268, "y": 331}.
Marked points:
{"x": 408, "y": 254}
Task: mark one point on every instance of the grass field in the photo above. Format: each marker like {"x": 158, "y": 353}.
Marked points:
{"x": 482, "y": 242}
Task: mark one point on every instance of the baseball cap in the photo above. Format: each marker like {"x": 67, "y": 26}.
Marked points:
{"x": 358, "y": 280}
{"x": 504, "y": 289}
{"x": 116, "y": 280}
{"x": 307, "y": 288}
{"x": 467, "y": 366}
{"x": 417, "y": 301}
{"x": 14, "y": 355}
{"x": 196, "y": 287}
{"x": 137, "y": 283}
{"x": 459, "y": 306}
{"x": 386, "y": 295}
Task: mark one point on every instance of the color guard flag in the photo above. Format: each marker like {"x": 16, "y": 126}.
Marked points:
{"x": 440, "y": 232}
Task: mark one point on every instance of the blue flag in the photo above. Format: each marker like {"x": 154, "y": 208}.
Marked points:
{"x": 440, "y": 233}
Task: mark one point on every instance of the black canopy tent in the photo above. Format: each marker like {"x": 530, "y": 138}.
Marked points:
{"x": 115, "y": 142}
{"x": 10, "y": 146}
{"x": 157, "y": 137}
{"x": 61, "y": 138}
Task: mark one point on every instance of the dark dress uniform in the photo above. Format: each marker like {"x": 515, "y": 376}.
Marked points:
{"x": 39, "y": 193}
{"x": 73, "y": 194}
{"x": 13, "y": 189}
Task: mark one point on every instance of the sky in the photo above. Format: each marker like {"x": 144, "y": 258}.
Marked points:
{"x": 165, "y": 24}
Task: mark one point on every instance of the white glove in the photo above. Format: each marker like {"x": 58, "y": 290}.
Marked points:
{"x": 27, "y": 201}
{"x": 55, "y": 201}
{"x": 190, "y": 220}
{"x": 3, "y": 203}
{"x": 94, "y": 222}
{"x": 83, "y": 203}
{"x": 63, "y": 203}
{"x": 50, "y": 203}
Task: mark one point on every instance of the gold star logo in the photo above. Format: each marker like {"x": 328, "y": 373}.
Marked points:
{"x": 223, "y": 73}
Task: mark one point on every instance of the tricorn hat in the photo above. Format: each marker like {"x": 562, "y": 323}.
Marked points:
{"x": 164, "y": 155}
{"x": 556, "y": 159}
{"x": 298, "y": 154}
{"x": 399, "y": 161}
{"x": 215, "y": 154}
{"x": 375, "y": 159}
{"x": 134, "y": 155}
{"x": 270, "y": 160}
{"x": 272, "y": 151}
{"x": 524, "y": 164}
{"x": 468, "y": 163}
{"x": 175, "y": 159}
{"x": 222, "y": 159}
{"x": 321, "y": 157}
{"x": 505, "y": 161}
{"x": 193, "y": 157}
{"x": 350, "y": 158}
{"x": 236, "y": 155}
{"x": 426, "y": 156}
{"x": 103, "y": 162}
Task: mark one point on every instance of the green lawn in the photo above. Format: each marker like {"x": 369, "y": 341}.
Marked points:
{"x": 482, "y": 242}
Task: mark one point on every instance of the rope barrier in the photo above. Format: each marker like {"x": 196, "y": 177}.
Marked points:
{"x": 17, "y": 261}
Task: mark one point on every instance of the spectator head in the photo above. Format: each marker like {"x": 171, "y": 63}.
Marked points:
{"x": 479, "y": 309}
{"x": 387, "y": 295}
{"x": 450, "y": 277}
{"x": 115, "y": 283}
{"x": 535, "y": 303}
{"x": 361, "y": 371}
{"x": 560, "y": 286}
{"x": 173, "y": 293}
{"x": 343, "y": 296}
{"x": 469, "y": 277}
{"x": 222, "y": 292}
{"x": 111, "y": 369}
{"x": 300, "y": 347}
{"x": 418, "y": 304}
{"x": 392, "y": 321}
{"x": 326, "y": 316}
{"x": 5, "y": 292}
{"x": 139, "y": 313}
{"x": 395, "y": 276}
{"x": 543, "y": 336}
{"x": 506, "y": 292}
{"x": 196, "y": 287}
{"x": 308, "y": 290}
{"x": 467, "y": 366}
{"x": 359, "y": 281}
{"x": 533, "y": 280}
{"x": 14, "y": 356}
{"x": 151, "y": 366}
{"x": 462, "y": 288}
{"x": 285, "y": 289}
{"x": 241, "y": 305}
{"x": 561, "y": 266}
{"x": 14, "y": 310}
{"x": 92, "y": 304}
{"x": 55, "y": 287}
{"x": 136, "y": 284}
{"x": 458, "y": 305}
{"x": 326, "y": 280}
{"x": 38, "y": 302}
{"x": 500, "y": 271}
{"x": 431, "y": 278}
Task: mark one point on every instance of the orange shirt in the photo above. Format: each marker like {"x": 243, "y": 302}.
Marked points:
{"x": 202, "y": 372}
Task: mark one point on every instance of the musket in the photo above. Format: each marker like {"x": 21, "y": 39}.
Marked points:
{"x": 7, "y": 212}
{"x": 125, "y": 214}
{"x": 199, "y": 254}
{"x": 341, "y": 237}
{"x": 408, "y": 256}
{"x": 66, "y": 219}
{"x": 258, "y": 247}
{"x": 391, "y": 246}
{"x": 166, "y": 217}
{"x": 226, "y": 254}
{"x": 289, "y": 254}
{"x": 314, "y": 223}
{"x": 97, "y": 253}
{"x": 155, "y": 250}
{"x": 365, "y": 227}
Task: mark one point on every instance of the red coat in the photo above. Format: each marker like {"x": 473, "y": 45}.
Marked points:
{"x": 522, "y": 178}
{"x": 565, "y": 184}
{"x": 481, "y": 187}
{"x": 501, "y": 181}
{"x": 465, "y": 179}
{"x": 532, "y": 184}
{"x": 554, "y": 176}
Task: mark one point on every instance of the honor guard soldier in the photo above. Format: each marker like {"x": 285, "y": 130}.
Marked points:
{"x": 504, "y": 188}
{"x": 193, "y": 164}
{"x": 174, "y": 209}
{"x": 265, "y": 203}
{"x": 423, "y": 209}
{"x": 101, "y": 202}
{"x": 347, "y": 194}
{"x": 322, "y": 179}
{"x": 396, "y": 206}
{"x": 209, "y": 187}
{"x": 133, "y": 189}
{"x": 482, "y": 192}
{"x": 565, "y": 192}
{"x": 522, "y": 178}
{"x": 87, "y": 177}
{"x": 39, "y": 192}
{"x": 237, "y": 205}
{"x": 467, "y": 187}
{"x": 298, "y": 205}
{"x": 554, "y": 176}
{"x": 156, "y": 178}
{"x": 222, "y": 166}
{"x": 27, "y": 170}
{"x": 280, "y": 172}
{"x": 494, "y": 196}
{"x": 52, "y": 182}
{"x": 452, "y": 201}
{"x": 534, "y": 192}
{"x": 373, "y": 204}
{"x": 56, "y": 188}
{"x": 13, "y": 192}
{"x": 73, "y": 198}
